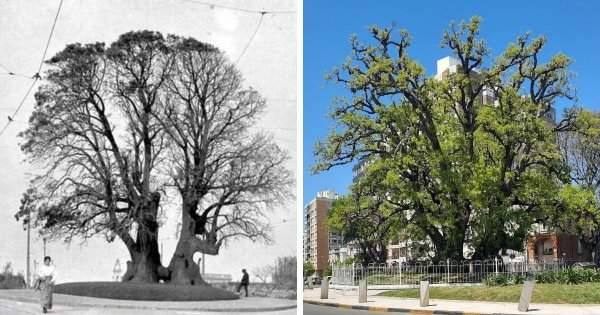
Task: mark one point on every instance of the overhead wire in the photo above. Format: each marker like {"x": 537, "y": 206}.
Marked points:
{"x": 214, "y": 5}
{"x": 36, "y": 76}
{"x": 11, "y": 118}
{"x": 262, "y": 15}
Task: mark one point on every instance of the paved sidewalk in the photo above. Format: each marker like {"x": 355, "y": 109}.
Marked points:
{"x": 251, "y": 304}
{"x": 349, "y": 299}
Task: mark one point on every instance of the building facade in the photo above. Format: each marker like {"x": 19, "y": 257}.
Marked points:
{"x": 318, "y": 239}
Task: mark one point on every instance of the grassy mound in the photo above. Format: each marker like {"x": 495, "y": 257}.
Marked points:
{"x": 587, "y": 293}
{"x": 144, "y": 291}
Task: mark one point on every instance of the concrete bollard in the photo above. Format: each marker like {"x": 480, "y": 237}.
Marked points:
{"x": 424, "y": 293}
{"x": 310, "y": 282}
{"x": 526, "y": 294}
{"x": 325, "y": 288}
{"x": 362, "y": 291}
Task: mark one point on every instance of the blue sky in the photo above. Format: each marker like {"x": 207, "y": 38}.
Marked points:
{"x": 571, "y": 27}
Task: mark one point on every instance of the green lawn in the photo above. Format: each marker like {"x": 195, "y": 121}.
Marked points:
{"x": 414, "y": 278}
{"x": 588, "y": 293}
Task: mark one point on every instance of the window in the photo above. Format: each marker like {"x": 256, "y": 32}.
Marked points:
{"x": 548, "y": 248}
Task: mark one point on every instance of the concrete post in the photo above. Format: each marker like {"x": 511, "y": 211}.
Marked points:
{"x": 353, "y": 274}
{"x": 310, "y": 282}
{"x": 362, "y": 291}
{"x": 526, "y": 294}
{"x": 325, "y": 288}
{"x": 424, "y": 293}
{"x": 448, "y": 270}
{"x": 400, "y": 273}
{"x": 496, "y": 265}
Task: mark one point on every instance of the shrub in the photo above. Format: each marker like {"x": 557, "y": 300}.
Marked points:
{"x": 9, "y": 280}
{"x": 566, "y": 276}
{"x": 496, "y": 280}
{"x": 285, "y": 273}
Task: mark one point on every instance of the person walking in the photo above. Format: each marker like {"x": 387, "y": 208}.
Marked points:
{"x": 46, "y": 278}
{"x": 244, "y": 283}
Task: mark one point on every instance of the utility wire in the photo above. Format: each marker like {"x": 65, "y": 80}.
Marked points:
{"x": 214, "y": 5}
{"x": 49, "y": 37}
{"x": 10, "y": 118}
{"x": 262, "y": 15}
{"x": 36, "y": 76}
{"x": 5, "y": 68}
{"x": 12, "y": 73}
{"x": 16, "y": 75}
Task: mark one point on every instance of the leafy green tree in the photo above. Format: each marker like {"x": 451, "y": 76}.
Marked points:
{"x": 328, "y": 271}
{"x": 366, "y": 217}
{"x": 456, "y": 168}
{"x": 308, "y": 269}
{"x": 579, "y": 209}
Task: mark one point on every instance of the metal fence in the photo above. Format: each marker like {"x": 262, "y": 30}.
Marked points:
{"x": 450, "y": 272}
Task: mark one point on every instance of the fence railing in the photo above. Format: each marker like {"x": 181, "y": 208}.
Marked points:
{"x": 450, "y": 272}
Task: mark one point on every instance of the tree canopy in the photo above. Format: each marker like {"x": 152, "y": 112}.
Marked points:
{"x": 465, "y": 161}
{"x": 118, "y": 128}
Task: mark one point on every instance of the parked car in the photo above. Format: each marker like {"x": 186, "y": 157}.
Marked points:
{"x": 584, "y": 265}
{"x": 315, "y": 280}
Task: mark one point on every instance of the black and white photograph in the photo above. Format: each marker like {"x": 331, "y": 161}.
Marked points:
{"x": 148, "y": 154}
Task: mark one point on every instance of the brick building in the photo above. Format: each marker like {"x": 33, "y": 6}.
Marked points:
{"x": 318, "y": 240}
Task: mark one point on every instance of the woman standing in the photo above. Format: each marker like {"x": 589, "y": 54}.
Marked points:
{"x": 45, "y": 283}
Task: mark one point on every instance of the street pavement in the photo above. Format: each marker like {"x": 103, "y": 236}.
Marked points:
{"x": 21, "y": 302}
{"x": 9, "y": 307}
{"x": 344, "y": 300}
{"x": 310, "y": 309}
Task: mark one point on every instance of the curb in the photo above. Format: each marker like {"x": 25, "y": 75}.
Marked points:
{"x": 398, "y": 310}
{"x": 158, "y": 307}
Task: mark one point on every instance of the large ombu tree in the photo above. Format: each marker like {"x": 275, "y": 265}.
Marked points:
{"x": 227, "y": 175}
{"x": 461, "y": 171}
{"x": 93, "y": 133}
{"x": 103, "y": 132}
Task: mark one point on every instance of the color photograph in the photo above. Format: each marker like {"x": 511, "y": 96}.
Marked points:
{"x": 451, "y": 155}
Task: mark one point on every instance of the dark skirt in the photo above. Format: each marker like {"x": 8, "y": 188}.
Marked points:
{"x": 46, "y": 288}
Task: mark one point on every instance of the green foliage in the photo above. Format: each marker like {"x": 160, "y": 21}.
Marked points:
{"x": 328, "y": 271}
{"x": 504, "y": 279}
{"x": 569, "y": 276}
{"x": 308, "y": 269}
{"x": 443, "y": 165}
{"x": 579, "y": 210}
{"x": 588, "y": 293}
{"x": 365, "y": 218}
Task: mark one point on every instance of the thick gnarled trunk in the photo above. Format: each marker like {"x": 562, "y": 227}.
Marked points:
{"x": 183, "y": 269}
{"x": 145, "y": 264}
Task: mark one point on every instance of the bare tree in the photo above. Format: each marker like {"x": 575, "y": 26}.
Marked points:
{"x": 93, "y": 134}
{"x": 227, "y": 176}
{"x": 263, "y": 273}
{"x": 114, "y": 128}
